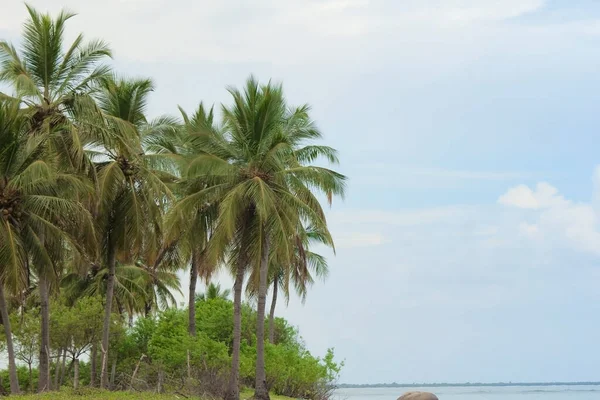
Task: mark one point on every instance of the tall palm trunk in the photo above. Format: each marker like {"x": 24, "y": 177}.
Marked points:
{"x": 233, "y": 390}
{"x": 261, "y": 392}
{"x": 57, "y": 368}
{"x": 12, "y": 367}
{"x": 63, "y": 368}
{"x": 76, "y": 373}
{"x": 110, "y": 287}
{"x": 192, "y": 294}
{"x": 113, "y": 372}
{"x": 44, "y": 360}
{"x": 272, "y": 314}
{"x": 93, "y": 358}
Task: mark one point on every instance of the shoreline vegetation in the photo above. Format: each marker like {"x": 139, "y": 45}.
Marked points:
{"x": 96, "y": 394}
{"x": 102, "y": 208}
{"x": 466, "y": 384}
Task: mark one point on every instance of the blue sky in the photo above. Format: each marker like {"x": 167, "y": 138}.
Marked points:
{"x": 468, "y": 245}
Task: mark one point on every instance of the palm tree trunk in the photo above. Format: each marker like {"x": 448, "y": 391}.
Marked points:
{"x": 192, "y": 293}
{"x": 113, "y": 372}
{"x": 44, "y": 360}
{"x": 63, "y": 368}
{"x": 76, "y": 373}
{"x": 261, "y": 392}
{"x": 12, "y": 367}
{"x": 57, "y": 369}
{"x": 110, "y": 287}
{"x": 93, "y": 357}
{"x": 272, "y": 314}
{"x": 233, "y": 390}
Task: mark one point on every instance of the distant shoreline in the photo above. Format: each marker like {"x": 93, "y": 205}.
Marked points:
{"x": 467, "y": 384}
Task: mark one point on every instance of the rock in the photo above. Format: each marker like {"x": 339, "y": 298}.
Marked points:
{"x": 418, "y": 396}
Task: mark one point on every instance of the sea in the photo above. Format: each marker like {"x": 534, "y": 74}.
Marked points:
{"x": 477, "y": 393}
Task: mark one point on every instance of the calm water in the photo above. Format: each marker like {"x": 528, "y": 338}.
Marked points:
{"x": 479, "y": 393}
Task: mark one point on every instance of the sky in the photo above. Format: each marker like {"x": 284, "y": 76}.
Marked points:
{"x": 468, "y": 245}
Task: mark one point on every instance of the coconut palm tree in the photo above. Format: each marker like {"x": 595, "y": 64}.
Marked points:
{"x": 159, "y": 278}
{"x": 55, "y": 83}
{"x": 132, "y": 195}
{"x": 191, "y": 230}
{"x": 256, "y": 171}
{"x": 13, "y": 124}
{"x": 214, "y": 291}
{"x": 42, "y": 222}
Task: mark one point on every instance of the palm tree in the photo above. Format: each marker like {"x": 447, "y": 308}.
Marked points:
{"x": 159, "y": 278}
{"x": 42, "y": 220}
{"x": 255, "y": 171}
{"x": 191, "y": 231}
{"x": 55, "y": 85}
{"x": 12, "y": 126}
{"x": 132, "y": 194}
{"x": 214, "y": 292}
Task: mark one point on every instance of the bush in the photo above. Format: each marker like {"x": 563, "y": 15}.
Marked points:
{"x": 24, "y": 382}
{"x": 164, "y": 356}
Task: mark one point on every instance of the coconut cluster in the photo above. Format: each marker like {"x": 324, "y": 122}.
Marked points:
{"x": 128, "y": 167}
{"x": 10, "y": 206}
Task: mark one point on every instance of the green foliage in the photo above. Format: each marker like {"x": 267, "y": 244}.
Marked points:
{"x": 291, "y": 369}
{"x": 164, "y": 340}
{"x": 170, "y": 342}
{"x": 75, "y": 328}
{"x": 23, "y": 373}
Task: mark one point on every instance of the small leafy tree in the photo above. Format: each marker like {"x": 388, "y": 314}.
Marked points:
{"x": 77, "y": 328}
{"x": 27, "y": 339}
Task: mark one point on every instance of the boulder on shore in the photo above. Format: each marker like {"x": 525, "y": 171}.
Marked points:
{"x": 418, "y": 396}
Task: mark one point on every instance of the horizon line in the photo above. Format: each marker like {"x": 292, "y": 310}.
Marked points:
{"x": 440, "y": 384}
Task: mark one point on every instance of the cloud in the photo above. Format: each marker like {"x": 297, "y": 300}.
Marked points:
{"x": 265, "y": 30}
{"x": 559, "y": 221}
{"x": 522, "y": 196}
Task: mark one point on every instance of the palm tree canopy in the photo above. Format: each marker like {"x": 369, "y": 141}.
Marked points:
{"x": 132, "y": 194}
{"x": 256, "y": 168}
{"x": 41, "y": 220}
{"x": 214, "y": 291}
{"x": 44, "y": 72}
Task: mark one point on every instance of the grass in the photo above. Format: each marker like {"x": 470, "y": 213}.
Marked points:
{"x": 248, "y": 393}
{"x": 94, "y": 394}
{"x": 99, "y": 395}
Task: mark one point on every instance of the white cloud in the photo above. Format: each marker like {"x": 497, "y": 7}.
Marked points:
{"x": 522, "y": 196}
{"x": 561, "y": 222}
{"x": 266, "y": 30}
